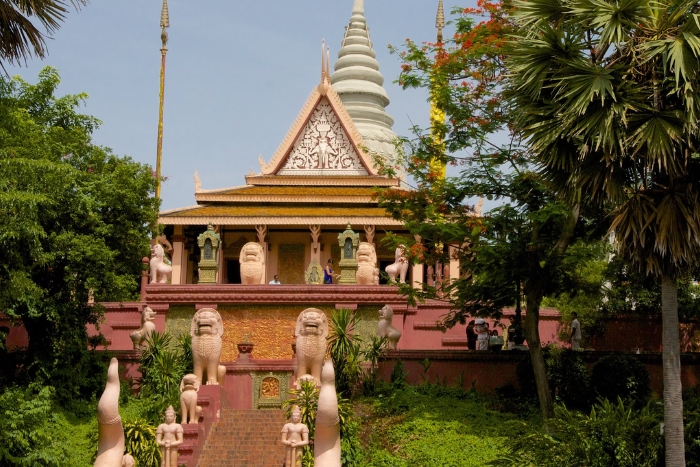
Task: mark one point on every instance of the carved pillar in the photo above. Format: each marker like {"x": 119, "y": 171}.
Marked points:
{"x": 417, "y": 272}
{"x": 179, "y": 259}
{"x": 315, "y": 243}
{"x": 261, "y": 231}
{"x": 454, "y": 263}
{"x": 220, "y": 256}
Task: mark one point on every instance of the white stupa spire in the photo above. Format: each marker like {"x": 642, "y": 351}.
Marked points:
{"x": 359, "y": 83}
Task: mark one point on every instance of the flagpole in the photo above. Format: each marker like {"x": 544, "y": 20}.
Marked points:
{"x": 164, "y": 24}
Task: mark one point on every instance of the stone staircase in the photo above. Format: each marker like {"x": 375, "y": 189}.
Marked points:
{"x": 245, "y": 438}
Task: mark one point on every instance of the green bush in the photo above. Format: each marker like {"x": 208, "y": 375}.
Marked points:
{"x": 612, "y": 435}
{"x": 622, "y": 376}
{"x": 691, "y": 419}
{"x": 140, "y": 442}
{"x": 567, "y": 375}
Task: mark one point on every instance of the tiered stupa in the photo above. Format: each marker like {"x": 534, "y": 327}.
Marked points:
{"x": 358, "y": 82}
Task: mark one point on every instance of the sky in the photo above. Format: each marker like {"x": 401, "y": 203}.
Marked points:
{"x": 238, "y": 73}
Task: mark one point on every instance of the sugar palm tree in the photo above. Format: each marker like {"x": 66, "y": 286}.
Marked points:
{"x": 20, "y": 38}
{"x": 608, "y": 95}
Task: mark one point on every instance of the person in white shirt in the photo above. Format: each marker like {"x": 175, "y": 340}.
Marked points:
{"x": 575, "y": 332}
{"x": 275, "y": 280}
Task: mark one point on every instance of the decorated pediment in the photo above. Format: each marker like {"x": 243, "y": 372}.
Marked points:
{"x": 323, "y": 140}
{"x": 323, "y": 147}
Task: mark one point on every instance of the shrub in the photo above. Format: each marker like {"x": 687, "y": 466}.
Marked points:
{"x": 567, "y": 375}
{"x": 398, "y": 376}
{"x": 344, "y": 349}
{"x": 140, "y": 439}
{"x": 622, "y": 376}
{"x": 612, "y": 435}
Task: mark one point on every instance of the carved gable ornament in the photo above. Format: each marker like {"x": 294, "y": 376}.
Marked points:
{"x": 323, "y": 147}
{"x": 322, "y": 141}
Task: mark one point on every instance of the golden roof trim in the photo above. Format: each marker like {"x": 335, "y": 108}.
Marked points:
{"x": 340, "y": 221}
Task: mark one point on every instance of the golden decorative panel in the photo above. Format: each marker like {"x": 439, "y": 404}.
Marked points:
{"x": 178, "y": 319}
{"x": 291, "y": 267}
{"x": 270, "y": 388}
{"x": 269, "y": 328}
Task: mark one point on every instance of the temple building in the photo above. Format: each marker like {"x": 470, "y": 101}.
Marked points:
{"x": 319, "y": 181}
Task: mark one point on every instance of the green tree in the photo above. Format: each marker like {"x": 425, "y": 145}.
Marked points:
{"x": 607, "y": 94}
{"x": 74, "y": 225}
{"x": 20, "y": 38}
{"x": 515, "y": 251}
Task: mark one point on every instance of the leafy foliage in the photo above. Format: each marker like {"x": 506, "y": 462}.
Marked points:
{"x": 612, "y": 435}
{"x": 344, "y": 349}
{"x": 623, "y": 377}
{"x": 140, "y": 439}
{"x": 74, "y": 223}
{"x": 20, "y": 36}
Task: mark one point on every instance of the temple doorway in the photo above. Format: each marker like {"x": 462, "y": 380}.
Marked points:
{"x": 383, "y": 263}
{"x": 290, "y": 263}
{"x": 233, "y": 271}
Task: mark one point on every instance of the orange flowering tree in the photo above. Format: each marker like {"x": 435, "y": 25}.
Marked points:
{"x": 514, "y": 250}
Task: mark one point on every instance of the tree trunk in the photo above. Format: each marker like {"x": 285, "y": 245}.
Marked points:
{"x": 673, "y": 398}
{"x": 532, "y": 334}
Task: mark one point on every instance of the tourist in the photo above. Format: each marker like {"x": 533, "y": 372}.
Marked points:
{"x": 471, "y": 336}
{"x": 328, "y": 272}
{"x": 275, "y": 280}
{"x": 575, "y": 338}
{"x": 481, "y": 328}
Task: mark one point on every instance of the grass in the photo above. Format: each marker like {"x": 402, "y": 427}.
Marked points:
{"x": 435, "y": 426}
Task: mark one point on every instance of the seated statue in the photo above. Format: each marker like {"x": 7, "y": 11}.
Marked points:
{"x": 206, "y": 330}
{"x": 366, "y": 264}
{"x": 169, "y": 436}
{"x": 399, "y": 267}
{"x": 385, "y": 328}
{"x": 160, "y": 271}
{"x": 252, "y": 261}
{"x": 189, "y": 410}
{"x": 139, "y": 336}
{"x": 295, "y": 435}
{"x": 311, "y": 332}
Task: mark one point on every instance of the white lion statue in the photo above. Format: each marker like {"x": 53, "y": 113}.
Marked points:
{"x": 367, "y": 271}
{"x": 252, "y": 260}
{"x": 206, "y": 330}
{"x": 311, "y": 332}
{"x": 160, "y": 270}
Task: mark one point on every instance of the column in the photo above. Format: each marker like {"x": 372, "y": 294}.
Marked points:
{"x": 261, "y": 231}
{"x": 179, "y": 258}
{"x": 417, "y": 270}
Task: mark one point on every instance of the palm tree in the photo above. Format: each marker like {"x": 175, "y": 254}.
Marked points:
{"x": 608, "y": 95}
{"x": 20, "y": 38}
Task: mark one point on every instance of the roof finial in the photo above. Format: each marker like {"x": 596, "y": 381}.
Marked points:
{"x": 440, "y": 20}
{"x": 325, "y": 69}
{"x": 358, "y": 7}
{"x": 164, "y": 23}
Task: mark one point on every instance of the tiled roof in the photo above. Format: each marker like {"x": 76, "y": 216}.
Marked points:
{"x": 276, "y": 211}
{"x": 322, "y": 191}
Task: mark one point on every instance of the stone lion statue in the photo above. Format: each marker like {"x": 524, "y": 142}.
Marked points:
{"x": 367, "y": 271}
{"x": 139, "y": 336}
{"x": 160, "y": 271}
{"x": 189, "y": 410}
{"x": 385, "y": 328}
{"x": 311, "y": 332}
{"x": 252, "y": 261}
{"x": 399, "y": 267}
{"x": 206, "y": 330}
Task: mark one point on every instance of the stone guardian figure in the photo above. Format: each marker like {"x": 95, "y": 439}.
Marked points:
{"x": 385, "y": 328}
{"x": 327, "y": 433}
{"x": 169, "y": 436}
{"x": 311, "y": 332}
{"x": 110, "y": 444}
{"x": 400, "y": 267}
{"x": 295, "y": 435}
{"x": 189, "y": 410}
{"x": 206, "y": 330}
{"x": 139, "y": 336}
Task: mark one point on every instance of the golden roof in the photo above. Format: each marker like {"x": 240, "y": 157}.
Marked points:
{"x": 275, "y": 211}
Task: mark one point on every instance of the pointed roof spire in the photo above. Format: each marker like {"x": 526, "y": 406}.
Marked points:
{"x": 359, "y": 83}
{"x": 440, "y": 20}
{"x": 164, "y": 23}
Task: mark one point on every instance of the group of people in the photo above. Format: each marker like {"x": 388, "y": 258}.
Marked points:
{"x": 480, "y": 338}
